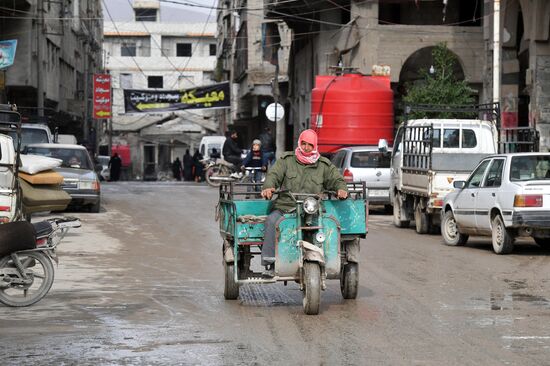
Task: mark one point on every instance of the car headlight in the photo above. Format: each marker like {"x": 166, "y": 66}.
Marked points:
{"x": 311, "y": 205}
{"x": 89, "y": 184}
{"x": 320, "y": 237}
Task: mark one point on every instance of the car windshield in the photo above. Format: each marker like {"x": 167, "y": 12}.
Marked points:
{"x": 370, "y": 159}
{"x": 31, "y": 136}
{"x": 531, "y": 167}
{"x": 72, "y": 158}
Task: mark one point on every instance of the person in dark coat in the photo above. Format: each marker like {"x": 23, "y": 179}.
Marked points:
{"x": 177, "y": 168}
{"x": 197, "y": 163}
{"x": 231, "y": 151}
{"x": 115, "y": 163}
{"x": 187, "y": 166}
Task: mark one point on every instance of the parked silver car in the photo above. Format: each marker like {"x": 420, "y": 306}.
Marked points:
{"x": 367, "y": 164}
{"x": 79, "y": 177}
{"x": 505, "y": 197}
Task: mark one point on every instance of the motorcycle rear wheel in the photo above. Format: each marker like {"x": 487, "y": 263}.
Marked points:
{"x": 38, "y": 267}
{"x": 216, "y": 171}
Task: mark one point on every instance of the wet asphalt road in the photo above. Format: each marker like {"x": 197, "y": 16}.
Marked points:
{"x": 142, "y": 283}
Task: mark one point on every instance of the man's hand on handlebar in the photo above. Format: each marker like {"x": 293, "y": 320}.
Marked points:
{"x": 268, "y": 193}
{"x": 341, "y": 194}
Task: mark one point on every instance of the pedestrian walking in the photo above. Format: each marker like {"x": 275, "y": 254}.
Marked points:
{"x": 198, "y": 165}
{"x": 115, "y": 163}
{"x": 187, "y": 166}
{"x": 177, "y": 169}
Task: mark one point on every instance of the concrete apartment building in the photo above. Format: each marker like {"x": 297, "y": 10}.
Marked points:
{"x": 401, "y": 34}
{"x": 159, "y": 48}
{"x": 58, "y": 49}
{"x": 250, "y": 48}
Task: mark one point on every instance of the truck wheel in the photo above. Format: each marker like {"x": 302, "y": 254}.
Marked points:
{"x": 449, "y": 231}
{"x": 397, "y": 212}
{"x": 312, "y": 288}
{"x": 231, "y": 288}
{"x": 349, "y": 280}
{"x": 503, "y": 241}
{"x": 422, "y": 221}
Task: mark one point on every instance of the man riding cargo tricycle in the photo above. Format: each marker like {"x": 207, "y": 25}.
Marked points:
{"x": 308, "y": 234}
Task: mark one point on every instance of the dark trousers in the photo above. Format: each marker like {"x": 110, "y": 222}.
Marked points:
{"x": 268, "y": 249}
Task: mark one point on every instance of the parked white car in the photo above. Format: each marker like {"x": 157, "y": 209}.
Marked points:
{"x": 367, "y": 164}
{"x": 505, "y": 197}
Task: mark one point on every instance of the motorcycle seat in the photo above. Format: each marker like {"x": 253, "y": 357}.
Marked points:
{"x": 42, "y": 228}
{"x": 14, "y": 236}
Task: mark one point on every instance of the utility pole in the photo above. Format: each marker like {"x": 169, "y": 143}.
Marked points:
{"x": 85, "y": 127}
{"x": 496, "y": 51}
{"x": 279, "y": 125}
{"x": 39, "y": 73}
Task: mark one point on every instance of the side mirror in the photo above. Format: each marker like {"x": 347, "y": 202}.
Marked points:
{"x": 98, "y": 168}
{"x": 382, "y": 145}
{"x": 459, "y": 184}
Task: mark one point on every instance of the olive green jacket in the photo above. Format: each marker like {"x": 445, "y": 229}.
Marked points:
{"x": 289, "y": 174}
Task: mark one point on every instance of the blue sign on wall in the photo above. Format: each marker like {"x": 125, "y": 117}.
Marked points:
{"x": 7, "y": 53}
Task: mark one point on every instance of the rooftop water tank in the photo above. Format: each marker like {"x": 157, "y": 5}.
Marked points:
{"x": 351, "y": 109}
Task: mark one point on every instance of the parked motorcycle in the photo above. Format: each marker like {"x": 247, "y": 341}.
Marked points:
{"x": 219, "y": 171}
{"x": 26, "y": 254}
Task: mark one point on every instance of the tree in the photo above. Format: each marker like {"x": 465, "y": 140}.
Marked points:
{"x": 440, "y": 87}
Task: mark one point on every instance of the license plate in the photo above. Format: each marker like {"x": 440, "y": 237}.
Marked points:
{"x": 378, "y": 192}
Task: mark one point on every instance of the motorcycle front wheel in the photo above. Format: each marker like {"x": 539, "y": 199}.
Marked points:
{"x": 14, "y": 290}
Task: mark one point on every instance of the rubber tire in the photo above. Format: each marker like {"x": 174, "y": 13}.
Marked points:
{"x": 312, "y": 288}
{"x": 96, "y": 207}
{"x": 231, "y": 288}
{"x": 215, "y": 170}
{"x": 422, "y": 221}
{"x": 503, "y": 241}
{"x": 44, "y": 287}
{"x": 349, "y": 280}
{"x": 397, "y": 212}
{"x": 449, "y": 231}
{"x": 388, "y": 209}
{"x": 543, "y": 242}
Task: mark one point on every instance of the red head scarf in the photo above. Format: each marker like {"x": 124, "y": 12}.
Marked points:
{"x": 310, "y": 137}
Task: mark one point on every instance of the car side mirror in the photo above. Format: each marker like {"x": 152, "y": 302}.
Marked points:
{"x": 459, "y": 184}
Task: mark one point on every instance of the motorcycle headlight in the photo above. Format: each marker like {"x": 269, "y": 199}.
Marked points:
{"x": 320, "y": 237}
{"x": 311, "y": 205}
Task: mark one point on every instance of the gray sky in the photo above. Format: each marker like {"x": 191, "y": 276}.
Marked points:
{"x": 122, "y": 11}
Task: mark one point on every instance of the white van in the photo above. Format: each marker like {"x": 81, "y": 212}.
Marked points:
{"x": 211, "y": 142}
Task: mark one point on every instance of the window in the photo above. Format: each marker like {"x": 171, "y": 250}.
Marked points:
{"x": 154, "y": 82}
{"x": 126, "y": 81}
{"x": 146, "y": 15}
{"x": 370, "y": 159}
{"x": 338, "y": 158}
{"x": 494, "y": 175}
{"x": 183, "y": 49}
{"x": 212, "y": 50}
{"x": 436, "y": 140}
{"x": 469, "y": 139}
{"x": 451, "y": 137}
{"x": 532, "y": 167}
{"x": 128, "y": 50}
{"x": 476, "y": 177}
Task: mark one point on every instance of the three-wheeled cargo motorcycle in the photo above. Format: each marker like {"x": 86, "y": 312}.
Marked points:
{"x": 316, "y": 242}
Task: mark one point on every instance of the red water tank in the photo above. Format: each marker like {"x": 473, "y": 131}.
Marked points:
{"x": 351, "y": 109}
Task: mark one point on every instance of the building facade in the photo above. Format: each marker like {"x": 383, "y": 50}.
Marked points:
{"x": 253, "y": 55}
{"x": 58, "y": 49}
{"x": 149, "y": 53}
{"x": 401, "y": 34}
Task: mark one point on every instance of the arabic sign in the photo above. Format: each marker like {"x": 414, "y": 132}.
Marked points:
{"x": 7, "y": 53}
{"x": 142, "y": 101}
{"x": 102, "y": 96}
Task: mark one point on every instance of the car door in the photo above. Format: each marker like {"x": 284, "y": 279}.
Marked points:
{"x": 487, "y": 195}
{"x": 465, "y": 200}
{"x": 338, "y": 160}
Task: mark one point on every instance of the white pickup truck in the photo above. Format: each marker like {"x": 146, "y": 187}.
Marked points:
{"x": 8, "y": 186}
{"x": 430, "y": 154}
